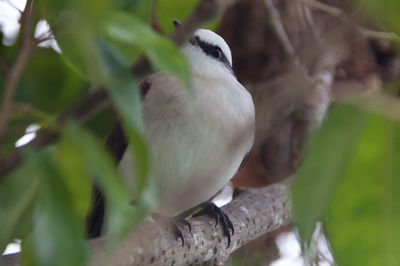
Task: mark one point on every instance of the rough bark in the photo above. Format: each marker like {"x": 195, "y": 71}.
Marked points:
{"x": 254, "y": 212}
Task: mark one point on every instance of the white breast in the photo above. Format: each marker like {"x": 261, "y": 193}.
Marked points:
{"x": 197, "y": 141}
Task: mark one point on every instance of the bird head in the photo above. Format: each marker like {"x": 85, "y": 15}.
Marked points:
{"x": 208, "y": 53}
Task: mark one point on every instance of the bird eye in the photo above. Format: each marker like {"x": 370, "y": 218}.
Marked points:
{"x": 216, "y": 52}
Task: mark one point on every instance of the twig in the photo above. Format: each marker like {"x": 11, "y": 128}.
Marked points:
{"x": 279, "y": 29}
{"x": 383, "y": 35}
{"x": 14, "y": 6}
{"x": 254, "y": 212}
{"x": 334, "y": 11}
{"x": 337, "y": 12}
{"x": 80, "y": 112}
{"x": 13, "y": 75}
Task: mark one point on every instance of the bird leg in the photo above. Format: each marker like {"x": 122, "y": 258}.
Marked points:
{"x": 212, "y": 210}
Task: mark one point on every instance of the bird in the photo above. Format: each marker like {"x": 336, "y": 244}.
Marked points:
{"x": 197, "y": 139}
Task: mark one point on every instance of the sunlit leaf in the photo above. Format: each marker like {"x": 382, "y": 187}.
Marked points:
{"x": 161, "y": 51}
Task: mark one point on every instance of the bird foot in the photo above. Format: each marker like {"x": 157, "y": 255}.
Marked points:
{"x": 212, "y": 210}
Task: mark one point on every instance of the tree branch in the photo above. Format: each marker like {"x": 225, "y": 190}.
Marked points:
{"x": 12, "y": 77}
{"x": 280, "y": 30}
{"x": 205, "y": 10}
{"x": 254, "y": 212}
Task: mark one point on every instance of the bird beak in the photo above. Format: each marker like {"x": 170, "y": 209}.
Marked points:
{"x": 177, "y": 23}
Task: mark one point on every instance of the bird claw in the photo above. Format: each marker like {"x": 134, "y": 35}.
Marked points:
{"x": 177, "y": 232}
{"x": 212, "y": 210}
{"x": 173, "y": 223}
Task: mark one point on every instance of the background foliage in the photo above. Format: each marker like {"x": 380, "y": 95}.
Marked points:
{"x": 349, "y": 178}
{"x": 45, "y": 201}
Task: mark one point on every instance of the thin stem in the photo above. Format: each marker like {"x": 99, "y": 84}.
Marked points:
{"x": 14, "y": 74}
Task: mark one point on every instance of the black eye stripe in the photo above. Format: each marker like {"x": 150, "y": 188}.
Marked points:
{"x": 210, "y": 49}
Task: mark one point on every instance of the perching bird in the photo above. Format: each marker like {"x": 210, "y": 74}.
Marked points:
{"x": 197, "y": 141}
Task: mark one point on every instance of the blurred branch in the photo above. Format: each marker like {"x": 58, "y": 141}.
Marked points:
{"x": 13, "y": 6}
{"x": 3, "y": 66}
{"x": 254, "y": 212}
{"x": 12, "y": 77}
{"x": 280, "y": 30}
{"x": 334, "y": 11}
{"x": 337, "y": 12}
{"x": 374, "y": 34}
{"x": 205, "y": 10}
{"x": 80, "y": 112}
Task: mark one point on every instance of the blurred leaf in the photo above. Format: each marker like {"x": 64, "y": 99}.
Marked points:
{"x": 166, "y": 11}
{"x": 326, "y": 159}
{"x": 101, "y": 123}
{"x": 27, "y": 252}
{"x": 121, "y": 214}
{"x": 57, "y": 232}
{"x": 383, "y": 11}
{"x": 350, "y": 181}
{"x": 141, "y": 9}
{"x": 75, "y": 25}
{"x": 72, "y": 170}
{"x": 126, "y": 98}
{"x": 18, "y": 193}
{"x": 162, "y": 52}
{"x": 48, "y": 84}
{"x": 364, "y": 215}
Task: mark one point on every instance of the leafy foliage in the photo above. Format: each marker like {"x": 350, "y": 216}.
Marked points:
{"x": 386, "y": 13}
{"x": 350, "y": 181}
{"x": 161, "y": 52}
{"x": 45, "y": 201}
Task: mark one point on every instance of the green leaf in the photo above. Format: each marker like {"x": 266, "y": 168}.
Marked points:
{"x": 349, "y": 180}
{"x": 166, "y": 11}
{"x": 18, "y": 194}
{"x": 57, "y": 233}
{"x": 121, "y": 215}
{"x": 364, "y": 215}
{"x": 161, "y": 52}
{"x": 70, "y": 163}
{"x": 126, "y": 98}
{"x": 383, "y": 11}
{"x": 325, "y": 161}
{"x": 75, "y": 25}
{"x": 48, "y": 84}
